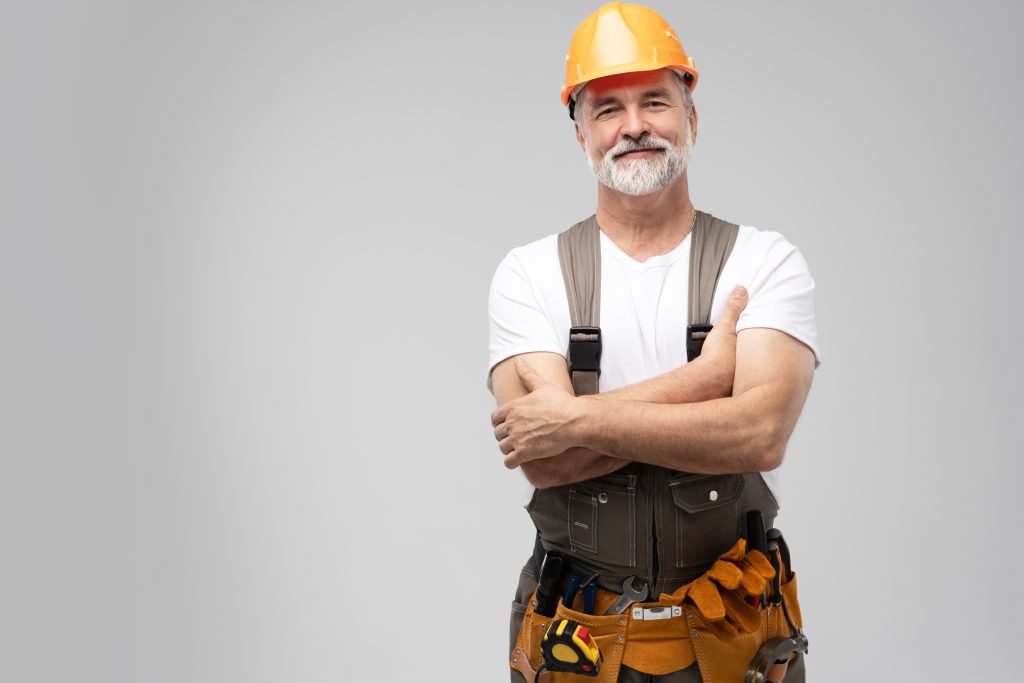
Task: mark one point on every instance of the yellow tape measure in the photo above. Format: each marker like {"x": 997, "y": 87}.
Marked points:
{"x": 568, "y": 646}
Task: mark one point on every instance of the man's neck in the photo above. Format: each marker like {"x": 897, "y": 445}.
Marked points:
{"x": 648, "y": 225}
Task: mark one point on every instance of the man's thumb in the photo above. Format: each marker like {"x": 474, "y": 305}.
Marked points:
{"x": 733, "y": 307}
{"x": 531, "y": 380}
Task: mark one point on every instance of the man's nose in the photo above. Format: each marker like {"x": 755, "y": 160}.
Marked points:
{"x": 635, "y": 125}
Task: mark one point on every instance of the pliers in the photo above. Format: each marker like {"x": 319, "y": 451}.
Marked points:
{"x": 589, "y": 593}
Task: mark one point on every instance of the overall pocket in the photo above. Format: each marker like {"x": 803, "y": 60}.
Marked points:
{"x": 594, "y": 518}
{"x": 708, "y": 519}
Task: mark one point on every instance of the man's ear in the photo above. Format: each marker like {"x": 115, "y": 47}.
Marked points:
{"x": 579, "y": 133}
{"x": 693, "y": 122}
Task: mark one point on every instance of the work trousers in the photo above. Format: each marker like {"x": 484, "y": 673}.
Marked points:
{"x": 691, "y": 674}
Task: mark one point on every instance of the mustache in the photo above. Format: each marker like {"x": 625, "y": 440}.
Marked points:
{"x": 643, "y": 144}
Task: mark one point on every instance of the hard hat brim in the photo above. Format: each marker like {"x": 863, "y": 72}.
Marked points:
{"x": 631, "y": 67}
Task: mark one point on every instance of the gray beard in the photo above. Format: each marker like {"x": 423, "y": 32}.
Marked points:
{"x": 641, "y": 176}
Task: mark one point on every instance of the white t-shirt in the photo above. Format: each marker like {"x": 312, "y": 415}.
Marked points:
{"x": 644, "y": 306}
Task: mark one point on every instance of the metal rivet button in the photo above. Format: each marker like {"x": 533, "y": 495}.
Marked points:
{"x": 713, "y": 495}
{"x": 602, "y": 497}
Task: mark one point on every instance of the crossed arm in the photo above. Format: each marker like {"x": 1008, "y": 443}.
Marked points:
{"x": 731, "y": 410}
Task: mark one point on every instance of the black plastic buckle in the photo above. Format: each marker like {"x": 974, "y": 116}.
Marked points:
{"x": 585, "y": 355}
{"x": 694, "y": 344}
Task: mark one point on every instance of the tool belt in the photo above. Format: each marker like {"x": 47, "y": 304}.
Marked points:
{"x": 710, "y": 621}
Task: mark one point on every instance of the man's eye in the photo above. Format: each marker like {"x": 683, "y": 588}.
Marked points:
{"x": 605, "y": 112}
{"x": 657, "y": 104}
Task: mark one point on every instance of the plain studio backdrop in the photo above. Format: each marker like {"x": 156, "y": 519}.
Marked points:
{"x": 245, "y": 250}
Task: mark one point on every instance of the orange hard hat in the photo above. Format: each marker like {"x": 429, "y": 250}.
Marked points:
{"x": 620, "y": 38}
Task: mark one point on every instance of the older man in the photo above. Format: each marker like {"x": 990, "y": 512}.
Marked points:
{"x": 647, "y": 483}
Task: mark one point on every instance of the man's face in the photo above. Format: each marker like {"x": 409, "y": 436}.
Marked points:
{"x": 635, "y": 130}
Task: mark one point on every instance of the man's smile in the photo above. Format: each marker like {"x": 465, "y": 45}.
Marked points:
{"x": 639, "y": 154}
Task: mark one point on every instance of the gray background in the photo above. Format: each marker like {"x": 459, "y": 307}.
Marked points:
{"x": 244, "y": 258}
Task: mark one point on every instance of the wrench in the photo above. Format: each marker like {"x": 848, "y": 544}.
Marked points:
{"x": 629, "y": 596}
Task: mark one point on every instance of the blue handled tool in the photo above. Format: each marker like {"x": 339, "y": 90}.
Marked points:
{"x": 571, "y": 589}
{"x": 589, "y": 597}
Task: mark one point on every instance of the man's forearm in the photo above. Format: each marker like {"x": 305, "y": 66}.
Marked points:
{"x": 717, "y": 436}
{"x": 569, "y": 467}
{"x": 697, "y": 381}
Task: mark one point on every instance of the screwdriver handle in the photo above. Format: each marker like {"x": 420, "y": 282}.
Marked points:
{"x": 773, "y": 555}
{"x": 755, "y": 532}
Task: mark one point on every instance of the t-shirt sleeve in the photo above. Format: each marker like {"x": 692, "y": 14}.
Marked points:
{"x": 518, "y": 323}
{"x": 782, "y": 296}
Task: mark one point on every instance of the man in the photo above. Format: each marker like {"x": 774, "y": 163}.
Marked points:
{"x": 612, "y": 477}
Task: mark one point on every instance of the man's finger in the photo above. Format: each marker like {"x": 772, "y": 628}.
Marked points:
{"x": 499, "y": 415}
{"x": 733, "y": 307}
{"x": 513, "y": 459}
{"x": 501, "y": 432}
{"x": 531, "y": 380}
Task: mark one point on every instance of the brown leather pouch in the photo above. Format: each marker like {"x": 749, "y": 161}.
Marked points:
{"x": 652, "y": 646}
{"x": 658, "y": 646}
{"x": 526, "y": 655}
{"x": 609, "y": 632}
{"x": 727, "y": 662}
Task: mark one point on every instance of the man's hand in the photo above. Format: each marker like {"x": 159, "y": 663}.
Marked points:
{"x": 719, "y": 351}
{"x": 535, "y": 426}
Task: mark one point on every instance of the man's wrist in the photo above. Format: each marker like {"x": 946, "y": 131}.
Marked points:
{"x": 588, "y": 414}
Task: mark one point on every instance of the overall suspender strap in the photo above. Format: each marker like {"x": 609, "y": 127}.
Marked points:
{"x": 579, "y": 254}
{"x": 711, "y": 242}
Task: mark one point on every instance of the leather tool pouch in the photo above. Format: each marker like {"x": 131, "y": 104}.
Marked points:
{"x": 727, "y": 662}
{"x": 657, "y": 647}
{"x": 609, "y": 632}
